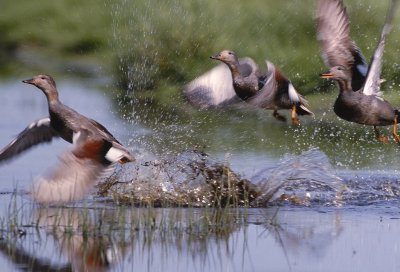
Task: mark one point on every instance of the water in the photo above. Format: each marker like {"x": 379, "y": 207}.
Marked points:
{"x": 348, "y": 220}
{"x": 294, "y": 239}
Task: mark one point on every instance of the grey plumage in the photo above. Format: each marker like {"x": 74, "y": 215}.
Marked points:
{"x": 337, "y": 47}
{"x": 366, "y": 105}
{"x": 95, "y": 148}
{"x": 215, "y": 87}
{"x": 40, "y": 131}
{"x": 241, "y": 78}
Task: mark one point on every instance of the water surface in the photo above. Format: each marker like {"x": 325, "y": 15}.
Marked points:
{"x": 353, "y": 230}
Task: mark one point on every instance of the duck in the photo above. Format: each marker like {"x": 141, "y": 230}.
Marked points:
{"x": 365, "y": 106}
{"x": 241, "y": 80}
{"x": 337, "y": 47}
{"x": 214, "y": 88}
{"x": 272, "y": 91}
{"x": 94, "y": 151}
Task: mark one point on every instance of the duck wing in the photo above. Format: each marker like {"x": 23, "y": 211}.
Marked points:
{"x": 40, "y": 131}
{"x": 215, "y": 87}
{"x": 337, "y": 48}
{"x": 266, "y": 96}
{"x": 248, "y": 67}
{"x": 278, "y": 90}
{"x": 104, "y": 131}
{"x": 118, "y": 152}
{"x": 372, "y": 84}
{"x": 78, "y": 170}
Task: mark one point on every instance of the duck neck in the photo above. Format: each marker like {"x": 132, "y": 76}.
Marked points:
{"x": 344, "y": 85}
{"x": 52, "y": 96}
{"x": 234, "y": 67}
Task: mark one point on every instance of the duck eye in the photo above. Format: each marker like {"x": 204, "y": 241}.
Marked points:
{"x": 230, "y": 53}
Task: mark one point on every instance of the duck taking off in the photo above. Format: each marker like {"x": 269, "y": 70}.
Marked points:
{"x": 337, "y": 47}
{"x": 95, "y": 149}
{"x": 240, "y": 79}
{"x": 365, "y": 105}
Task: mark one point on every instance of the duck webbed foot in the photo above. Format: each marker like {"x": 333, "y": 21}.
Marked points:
{"x": 123, "y": 160}
{"x": 395, "y": 135}
{"x": 382, "y": 138}
{"x": 295, "y": 117}
{"x": 279, "y": 116}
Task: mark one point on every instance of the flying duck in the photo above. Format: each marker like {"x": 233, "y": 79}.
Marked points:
{"x": 365, "y": 105}
{"x": 337, "y": 47}
{"x": 241, "y": 80}
{"x": 94, "y": 148}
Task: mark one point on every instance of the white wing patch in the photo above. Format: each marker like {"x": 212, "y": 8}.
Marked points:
{"x": 293, "y": 95}
{"x": 40, "y": 122}
{"x": 115, "y": 154}
{"x": 75, "y": 137}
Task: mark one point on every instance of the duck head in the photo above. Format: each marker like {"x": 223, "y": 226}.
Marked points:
{"x": 341, "y": 74}
{"x": 227, "y": 56}
{"x": 43, "y": 82}
{"x": 46, "y": 83}
{"x": 337, "y": 72}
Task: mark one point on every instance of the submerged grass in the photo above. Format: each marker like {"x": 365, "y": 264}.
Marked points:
{"x": 87, "y": 237}
{"x": 191, "y": 179}
{"x": 188, "y": 180}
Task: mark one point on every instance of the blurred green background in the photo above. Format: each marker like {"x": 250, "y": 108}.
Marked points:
{"x": 142, "y": 44}
{"x": 150, "y": 49}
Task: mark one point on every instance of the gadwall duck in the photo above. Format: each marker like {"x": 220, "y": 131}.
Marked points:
{"x": 366, "y": 106}
{"x": 239, "y": 79}
{"x": 271, "y": 91}
{"x": 95, "y": 148}
{"x": 337, "y": 47}
{"x": 215, "y": 88}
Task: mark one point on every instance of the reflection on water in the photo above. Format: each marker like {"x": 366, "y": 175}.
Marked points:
{"x": 106, "y": 238}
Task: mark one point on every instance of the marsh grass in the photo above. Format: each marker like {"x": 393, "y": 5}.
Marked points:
{"x": 81, "y": 236}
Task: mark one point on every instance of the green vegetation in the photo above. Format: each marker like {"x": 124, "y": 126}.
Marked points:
{"x": 45, "y": 31}
{"x": 143, "y": 43}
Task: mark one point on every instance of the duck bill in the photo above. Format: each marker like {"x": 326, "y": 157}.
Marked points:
{"x": 326, "y": 75}
{"x": 28, "y": 81}
{"x": 216, "y": 57}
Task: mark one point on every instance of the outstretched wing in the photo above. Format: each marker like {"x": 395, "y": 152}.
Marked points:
{"x": 278, "y": 89}
{"x": 337, "y": 48}
{"x": 75, "y": 175}
{"x": 372, "y": 84}
{"x": 333, "y": 32}
{"x": 266, "y": 96}
{"x": 215, "y": 87}
{"x": 247, "y": 67}
{"x": 102, "y": 129}
{"x": 38, "y": 132}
